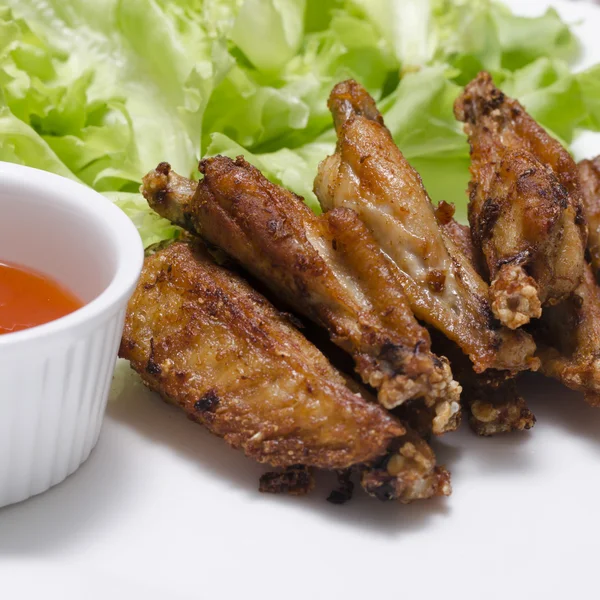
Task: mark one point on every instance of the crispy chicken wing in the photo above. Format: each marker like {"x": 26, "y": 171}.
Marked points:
{"x": 327, "y": 268}
{"x": 369, "y": 175}
{"x": 525, "y": 205}
{"x": 208, "y": 343}
{"x": 491, "y": 397}
{"x": 589, "y": 175}
{"x": 569, "y": 339}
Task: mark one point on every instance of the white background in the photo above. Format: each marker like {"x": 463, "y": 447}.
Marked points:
{"x": 162, "y": 510}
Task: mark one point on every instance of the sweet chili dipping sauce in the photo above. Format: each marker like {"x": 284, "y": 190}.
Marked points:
{"x": 29, "y": 298}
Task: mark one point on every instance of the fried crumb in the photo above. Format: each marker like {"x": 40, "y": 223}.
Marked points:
{"x": 296, "y": 480}
{"x": 343, "y": 493}
{"x": 444, "y": 212}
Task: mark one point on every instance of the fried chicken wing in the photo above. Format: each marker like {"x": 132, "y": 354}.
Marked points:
{"x": 525, "y": 205}
{"x": 491, "y": 398}
{"x": 369, "y": 175}
{"x": 569, "y": 339}
{"x": 208, "y": 343}
{"x": 589, "y": 175}
{"x": 328, "y": 268}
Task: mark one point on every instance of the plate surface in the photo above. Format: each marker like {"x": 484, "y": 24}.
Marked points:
{"x": 164, "y": 510}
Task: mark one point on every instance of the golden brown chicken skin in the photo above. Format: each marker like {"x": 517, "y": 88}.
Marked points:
{"x": 369, "y": 175}
{"x": 589, "y": 175}
{"x": 525, "y": 205}
{"x": 209, "y": 344}
{"x": 461, "y": 236}
{"x": 569, "y": 339}
{"x": 327, "y": 268}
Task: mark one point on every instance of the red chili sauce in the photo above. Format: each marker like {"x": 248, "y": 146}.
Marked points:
{"x": 29, "y": 298}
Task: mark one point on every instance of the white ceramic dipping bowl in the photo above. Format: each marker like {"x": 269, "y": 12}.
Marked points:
{"x": 55, "y": 378}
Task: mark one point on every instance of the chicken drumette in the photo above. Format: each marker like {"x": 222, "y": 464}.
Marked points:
{"x": 525, "y": 205}
{"x": 369, "y": 175}
{"x": 491, "y": 398}
{"x": 568, "y": 334}
{"x": 208, "y": 343}
{"x": 328, "y": 268}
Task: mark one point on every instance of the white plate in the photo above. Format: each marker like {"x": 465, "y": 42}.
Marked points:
{"x": 164, "y": 510}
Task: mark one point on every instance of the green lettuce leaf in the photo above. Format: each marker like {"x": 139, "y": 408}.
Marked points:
{"x": 473, "y": 35}
{"x": 419, "y": 114}
{"x": 269, "y": 32}
{"x": 406, "y": 27}
{"x": 589, "y": 82}
{"x": 20, "y": 144}
{"x": 268, "y": 110}
{"x": 152, "y": 228}
{"x": 100, "y": 66}
{"x": 551, "y": 93}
